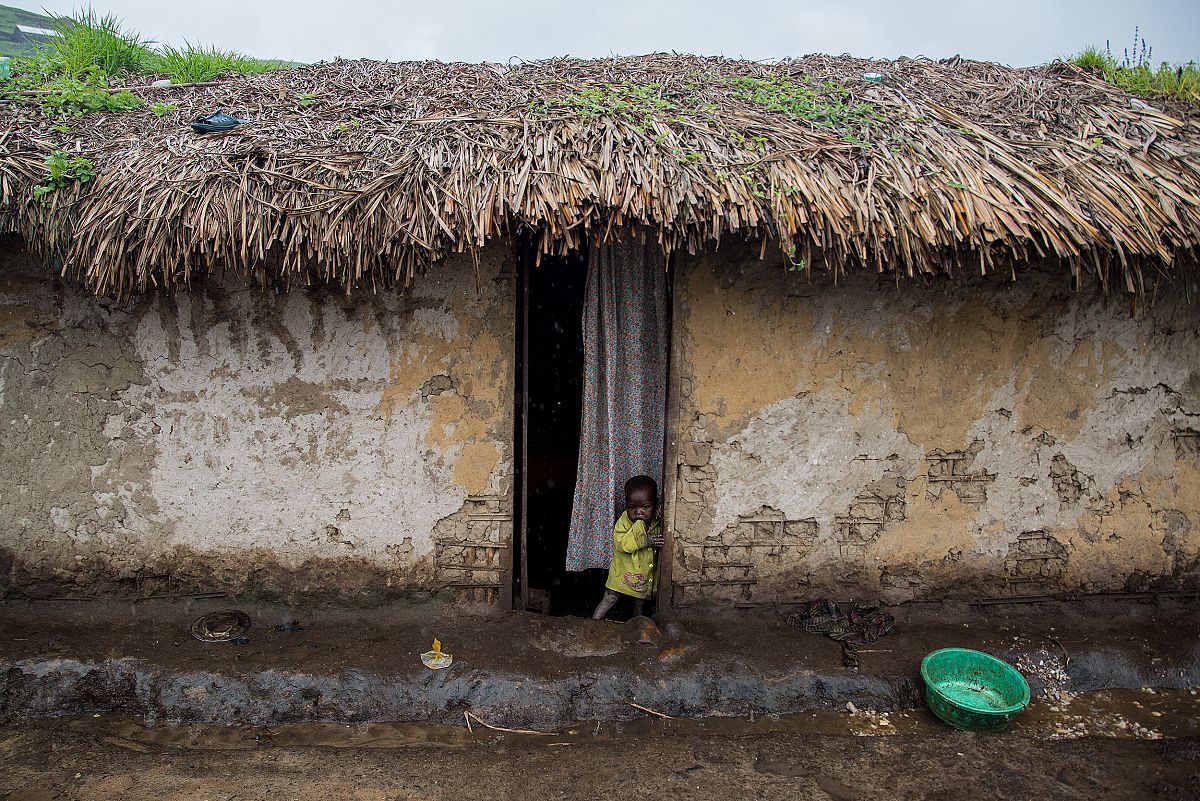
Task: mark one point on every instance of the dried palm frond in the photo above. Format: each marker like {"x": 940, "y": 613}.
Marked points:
{"x": 364, "y": 172}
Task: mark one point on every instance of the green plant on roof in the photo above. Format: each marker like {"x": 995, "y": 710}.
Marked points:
{"x": 636, "y": 103}
{"x": 1092, "y": 59}
{"x": 162, "y": 109}
{"x": 306, "y": 99}
{"x": 82, "y": 93}
{"x": 754, "y": 180}
{"x": 63, "y": 169}
{"x": 795, "y": 265}
{"x": 1136, "y": 73}
{"x": 827, "y": 104}
{"x": 630, "y": 101}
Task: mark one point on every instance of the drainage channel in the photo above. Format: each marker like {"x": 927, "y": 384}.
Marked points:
{"x": 1135, "y": 714}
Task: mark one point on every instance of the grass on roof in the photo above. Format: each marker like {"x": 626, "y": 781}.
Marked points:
{"x": 94, "y": 53}
{"x": 1136, "y": 73}
{"x": 196, "y": 63}
{"x": 90, "y": 41}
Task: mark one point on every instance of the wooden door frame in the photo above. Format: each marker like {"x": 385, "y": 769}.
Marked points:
{"x": 523, "y": 248}
{"x": 664, "y": 597}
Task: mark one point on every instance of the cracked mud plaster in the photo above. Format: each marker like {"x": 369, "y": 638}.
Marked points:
{"x": 211, "y": 439}
{"x": 994, "y": 409}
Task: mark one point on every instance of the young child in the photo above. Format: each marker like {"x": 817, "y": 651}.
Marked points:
{"x": 635, "y": 536}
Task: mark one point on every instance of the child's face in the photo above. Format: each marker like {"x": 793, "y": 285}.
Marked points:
{"x": 640, "y": 504}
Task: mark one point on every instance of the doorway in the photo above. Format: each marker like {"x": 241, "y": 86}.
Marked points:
{"x": 549, "y": 411}
{"x": 550, "y": 369}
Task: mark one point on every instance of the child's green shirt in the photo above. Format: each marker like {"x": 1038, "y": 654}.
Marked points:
{"x": 631, "y": 571}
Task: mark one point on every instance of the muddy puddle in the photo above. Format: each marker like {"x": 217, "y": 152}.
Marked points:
{"x": 1139, "y": 714}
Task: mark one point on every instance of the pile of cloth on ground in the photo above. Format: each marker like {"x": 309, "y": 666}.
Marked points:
{"x": 862, "y": 624}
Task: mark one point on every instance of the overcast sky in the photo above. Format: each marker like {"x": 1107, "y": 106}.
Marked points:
{"x": 1016, "y": 32}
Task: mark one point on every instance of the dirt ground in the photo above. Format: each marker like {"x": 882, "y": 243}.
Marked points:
{"x": 767, "y": 759}
{"x": 103, "y": 701}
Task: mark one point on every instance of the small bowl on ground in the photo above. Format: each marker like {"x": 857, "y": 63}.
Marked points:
{"x": 972, "y": 690}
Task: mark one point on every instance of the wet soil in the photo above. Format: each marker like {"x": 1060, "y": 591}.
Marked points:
{"x": 1151, "y": 637}
{"x": 69, "y": 658}
{"x": 822, "y": 755}
{"x": 1116, "y": 710}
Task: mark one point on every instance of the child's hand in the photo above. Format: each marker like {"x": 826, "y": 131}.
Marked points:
{"x": 656, "y": 541}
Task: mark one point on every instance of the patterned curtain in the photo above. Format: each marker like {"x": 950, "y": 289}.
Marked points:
{"x": 624, "y": 389}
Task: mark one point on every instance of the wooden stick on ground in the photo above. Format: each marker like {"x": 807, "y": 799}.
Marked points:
{"x": 487, "y": 725}
{"x": 1066, "y": 656}
{"x": 651, "y": 711}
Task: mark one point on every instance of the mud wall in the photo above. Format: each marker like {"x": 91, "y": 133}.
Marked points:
{"x": 242, "y": 439}
{"x": 903, "y": 441}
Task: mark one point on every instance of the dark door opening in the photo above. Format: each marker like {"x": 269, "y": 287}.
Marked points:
{"x": 549, "y": 412}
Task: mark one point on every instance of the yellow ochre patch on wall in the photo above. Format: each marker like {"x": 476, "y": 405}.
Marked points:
{"x": 1145, "y": 525}
{"x": 1058, "y": 394}
{"x": 933, "y": 371}
{"x": 465, "y": 414}
{"x": 455, "y": 428}
{"x": 931, "y": 528}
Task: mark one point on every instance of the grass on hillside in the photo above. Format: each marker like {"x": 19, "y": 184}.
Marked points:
{"x": 13, "y": 44}
{"x": 1136, "y": 74}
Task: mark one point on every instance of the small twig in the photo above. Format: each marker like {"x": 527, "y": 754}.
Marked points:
{"x": 182, "y": 595}
{"x": 467, "y": 715}
{"x": 1066, "y": 656}
{"x": 651, "y": 711}
{"x": 487, "y": 725}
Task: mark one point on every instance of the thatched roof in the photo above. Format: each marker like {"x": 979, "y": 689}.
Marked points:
{"x": 363, "y": 172}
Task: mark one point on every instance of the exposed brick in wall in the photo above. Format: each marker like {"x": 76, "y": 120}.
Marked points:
{"x": 471, "y": 549}
{"x": 1068, "y": 482}
{"x": 961, "y": 439}
{"x": 953, "y": 470}
{"x": 734, "y": 562}
{"x": 1036, "y": 559}
{"x": 869, "y": 513}
{"x": 1187, "y": 442}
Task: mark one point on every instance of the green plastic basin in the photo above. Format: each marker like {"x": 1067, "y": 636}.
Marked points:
{"x": 972, "y": 690}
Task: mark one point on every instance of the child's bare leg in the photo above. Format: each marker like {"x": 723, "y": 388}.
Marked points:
{"x": 606, "y": 603}
{"x": 639, "y": 606}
